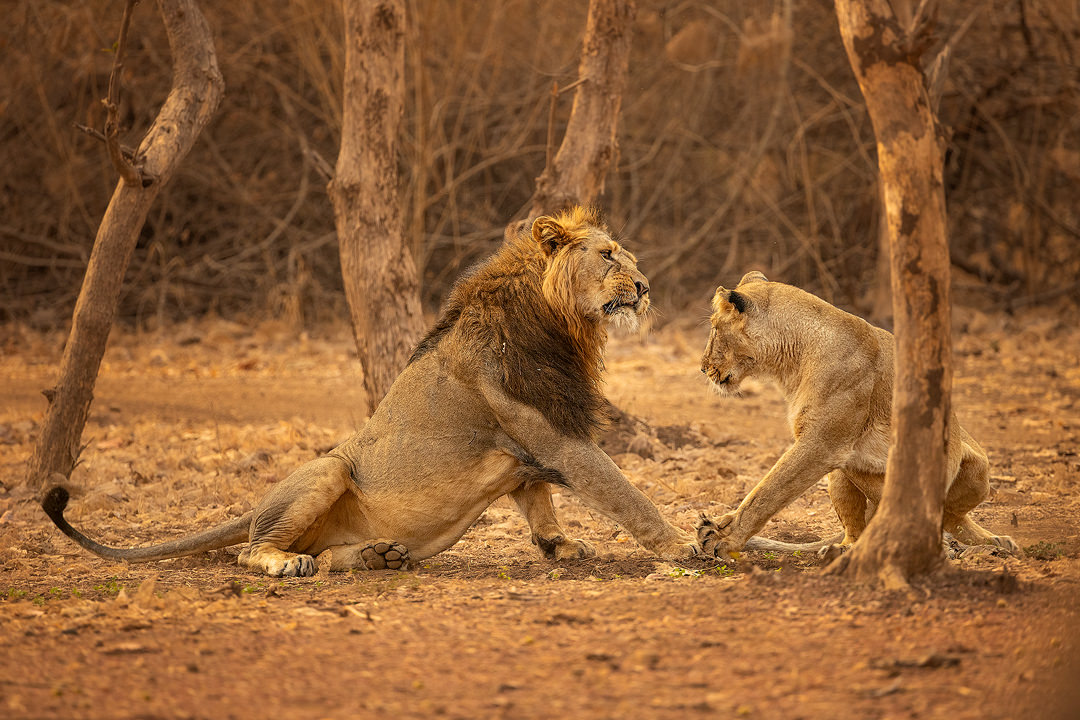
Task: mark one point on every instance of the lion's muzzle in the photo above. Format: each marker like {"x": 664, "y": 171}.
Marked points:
{"x": 636, "y": 300}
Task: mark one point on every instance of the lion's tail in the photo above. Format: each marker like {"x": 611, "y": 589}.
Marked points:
{"x": 760, "y": 543}
{"x": 230, "y": 533}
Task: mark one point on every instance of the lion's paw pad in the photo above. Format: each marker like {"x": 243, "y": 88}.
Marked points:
{"x": 385, "y": 555}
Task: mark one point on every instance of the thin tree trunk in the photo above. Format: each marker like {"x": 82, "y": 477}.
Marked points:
{"x": 904, "y": 538}
{"x": 196, "y": 92}
{"x": 589, "y": 147}
{"x": 381, "y": 283}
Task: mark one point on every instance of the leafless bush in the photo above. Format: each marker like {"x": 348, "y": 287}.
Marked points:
{"x": 743, "y": 143}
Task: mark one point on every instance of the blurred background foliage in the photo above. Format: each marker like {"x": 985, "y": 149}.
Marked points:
{"x": 743, "y": 144}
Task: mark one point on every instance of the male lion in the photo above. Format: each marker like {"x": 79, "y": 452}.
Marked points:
{"x": 836, "y": 373}
{"x": 502, "y": 396}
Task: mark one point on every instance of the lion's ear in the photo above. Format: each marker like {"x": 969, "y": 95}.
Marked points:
{"x": 549, "y": 234}
{"x": 753, "y": 276}
{"x": 515, "y": 229}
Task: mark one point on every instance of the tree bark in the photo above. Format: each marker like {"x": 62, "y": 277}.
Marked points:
{"x": 589, "y": 147}
{"x": 196, "y": 92}
{"x": 381, "y": 283}
{"x": 904, "y": 538}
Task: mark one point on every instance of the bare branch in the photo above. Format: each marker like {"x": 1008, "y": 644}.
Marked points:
{"x": 127, "y": 170}
{"x": 127, "y": 152}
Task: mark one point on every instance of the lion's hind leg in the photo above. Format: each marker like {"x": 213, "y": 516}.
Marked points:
{"x": 533, "y": 498}
{"x": 291, "y": 515}
{"x": 380, "y": 554}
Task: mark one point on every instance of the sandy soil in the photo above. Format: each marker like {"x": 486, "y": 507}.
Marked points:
{"x": 191, "y": 426}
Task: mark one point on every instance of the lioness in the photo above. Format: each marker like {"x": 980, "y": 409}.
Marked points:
{"x": 836, "y": 373}
{"x": 502, "y": 396}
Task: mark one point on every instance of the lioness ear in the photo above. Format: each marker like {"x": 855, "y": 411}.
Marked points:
{"x": 549, "y": 234}
{"x": 728, "y": 300}
{"x": 738, "y": 301}
{"x": 753, "y": 276}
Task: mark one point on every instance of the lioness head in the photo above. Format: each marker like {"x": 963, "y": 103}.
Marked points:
{"x": 729, "y": 355}
{"x": 589, "y": 276}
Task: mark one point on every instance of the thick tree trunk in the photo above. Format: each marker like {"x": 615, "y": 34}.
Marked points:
{"x": 904, "y": 538}
{"x": 589, "y": 147}
{"x": 196, "y": 92}
{"x": 381, "y": 283}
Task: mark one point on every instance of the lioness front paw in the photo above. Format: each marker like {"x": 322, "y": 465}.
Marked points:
{"x": 385, "y": 555}
{"x": 830, "y": 552}
{"x": 1007, "y": 544}
{"x": 711, "y": 535}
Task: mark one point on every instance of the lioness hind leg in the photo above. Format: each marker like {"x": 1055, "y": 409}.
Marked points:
{"x": 288, "y": 516}
{"x": 849, "y": 502}
{"x": 971, "y": 487}
{"x": 534, "y": 501}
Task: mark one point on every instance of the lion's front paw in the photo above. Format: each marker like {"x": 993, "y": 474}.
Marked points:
{"x": 574, "y": 549}
{"x": 711, "y": 535}
{"x": 683, "y": 548}
{"x": 385, "y": 555}
{"x": 560, "y": 547}
{"x": 298, "y": 566}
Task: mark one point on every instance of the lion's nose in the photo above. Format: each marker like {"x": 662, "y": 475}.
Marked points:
{"x": 641, "y": 288}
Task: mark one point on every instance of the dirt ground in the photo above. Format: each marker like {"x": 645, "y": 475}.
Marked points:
{"x": 191, "y": 425}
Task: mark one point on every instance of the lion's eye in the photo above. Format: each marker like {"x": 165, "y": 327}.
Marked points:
{"x": 606, "y": 254}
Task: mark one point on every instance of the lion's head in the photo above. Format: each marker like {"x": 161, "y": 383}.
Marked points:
{"x": 539, "y": 308}
{"x": 730, "y": 354}
{"x": 589, "y": 277}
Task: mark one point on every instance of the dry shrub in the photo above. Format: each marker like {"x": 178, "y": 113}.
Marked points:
{"x": 743, "y": 143}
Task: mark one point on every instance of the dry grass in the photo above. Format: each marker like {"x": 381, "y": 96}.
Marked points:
{"x": 741, "y": 144}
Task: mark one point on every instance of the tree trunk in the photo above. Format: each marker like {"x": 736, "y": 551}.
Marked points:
{"x": 881, "y": 292}
{"x": 196, "y": 92}
{"x": 904, "y": 538}
{"x": 381, "y": 283}
{"x": 576, "y": 175}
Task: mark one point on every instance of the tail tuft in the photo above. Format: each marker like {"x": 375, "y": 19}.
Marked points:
{"x": 54, "y": 502}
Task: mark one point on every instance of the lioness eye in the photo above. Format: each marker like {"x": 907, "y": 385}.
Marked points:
{"x": 606, "y": 254}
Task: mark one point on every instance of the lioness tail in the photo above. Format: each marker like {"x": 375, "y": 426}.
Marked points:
{"x": 229, "y": 533}
{"x": 759, "y": 543}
